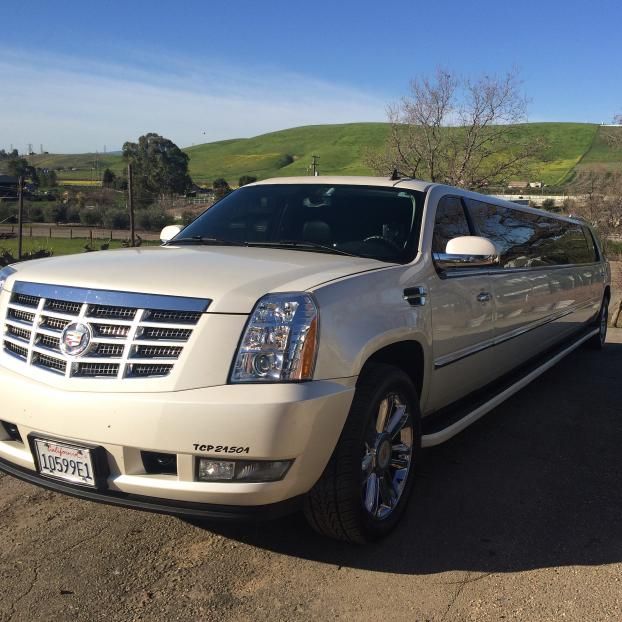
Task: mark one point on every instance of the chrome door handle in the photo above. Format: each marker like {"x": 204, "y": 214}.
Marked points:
{"x": 484, "y": 297}
{"x": 415, "y": 296}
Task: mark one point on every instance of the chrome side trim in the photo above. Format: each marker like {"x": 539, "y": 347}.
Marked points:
{"x": 448, "y": 359}
{"x": 453, "y": 273}
{"x": 112, "y": 298}
{"x": 447, "y": 261}
{"x": 430, "y": 440}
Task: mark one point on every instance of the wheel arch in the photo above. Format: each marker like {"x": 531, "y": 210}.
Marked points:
{"x": 407, "y": 355}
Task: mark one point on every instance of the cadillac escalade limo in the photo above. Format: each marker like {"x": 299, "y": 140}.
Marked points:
{"x": 294, "y": 346}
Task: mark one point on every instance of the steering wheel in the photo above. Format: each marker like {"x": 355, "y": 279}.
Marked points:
{"x": 388, "y": 243}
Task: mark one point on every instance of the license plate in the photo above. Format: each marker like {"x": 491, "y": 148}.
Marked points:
{"x": 70, "y": 463}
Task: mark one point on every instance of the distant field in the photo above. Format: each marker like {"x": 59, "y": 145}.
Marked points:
{"x": 79, "y": 182}
{"x": 342, "y": 150}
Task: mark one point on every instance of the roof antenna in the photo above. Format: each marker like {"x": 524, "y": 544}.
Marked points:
{"x": 395, "y": 175}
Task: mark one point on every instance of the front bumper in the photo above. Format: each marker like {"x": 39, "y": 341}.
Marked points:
{"x": 299, "y": 422}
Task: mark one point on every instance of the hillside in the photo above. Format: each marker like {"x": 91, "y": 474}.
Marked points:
{"x": 342, "y": 149}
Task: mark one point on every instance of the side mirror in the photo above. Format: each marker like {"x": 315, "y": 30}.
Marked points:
{"x": 467, "y": 251}
{"x": 168, "y": 233}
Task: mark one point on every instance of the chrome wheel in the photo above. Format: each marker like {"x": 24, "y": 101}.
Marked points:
{"x": 388, "y": 457}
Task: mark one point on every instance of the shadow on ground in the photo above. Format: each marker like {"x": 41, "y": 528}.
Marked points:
{"x": 537, "y": 483}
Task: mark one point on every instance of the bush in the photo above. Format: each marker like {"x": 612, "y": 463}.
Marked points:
{"x": 186, "y": 217}
{"x": 153, "y": 218}
{"x": 247, "y": 179}
{"x": 34, "y": 213}
{"x": 8, "y": 213}
{"x": 90, "y": 216}
{"x": 548, "y": 204}
{"x": 116, "y": 219}
{"x": 285, "y": 160}
{"x": 73, "y": 214}
{"x": 55, "y": 213}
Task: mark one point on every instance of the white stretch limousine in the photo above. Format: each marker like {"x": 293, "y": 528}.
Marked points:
{"x": 296, "y": 345}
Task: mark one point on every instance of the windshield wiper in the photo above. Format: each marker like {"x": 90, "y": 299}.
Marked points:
{"x": 303, "y": 245}
{"x": 207, "y": 241}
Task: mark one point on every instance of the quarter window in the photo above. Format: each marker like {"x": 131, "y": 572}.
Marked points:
{"x": 525, "y": 239}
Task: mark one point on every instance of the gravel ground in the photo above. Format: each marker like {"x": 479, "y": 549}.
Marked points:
{"x": 517, "y": 518}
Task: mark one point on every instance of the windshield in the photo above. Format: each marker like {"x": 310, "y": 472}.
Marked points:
{"x": 363, "y": 221}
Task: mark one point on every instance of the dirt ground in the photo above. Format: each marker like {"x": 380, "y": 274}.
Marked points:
{"x": 517, "y": 518}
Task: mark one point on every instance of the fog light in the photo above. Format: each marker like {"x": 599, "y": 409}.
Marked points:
{"x": 242, "y": 470}
{"x": 216, "y": 470}
{"x": 12, "y": 431}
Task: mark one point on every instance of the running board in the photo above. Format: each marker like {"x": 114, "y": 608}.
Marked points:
{"x": 440, "y": 436}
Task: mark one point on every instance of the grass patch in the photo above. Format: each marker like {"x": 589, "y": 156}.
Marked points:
{"x": 62, "y": 246}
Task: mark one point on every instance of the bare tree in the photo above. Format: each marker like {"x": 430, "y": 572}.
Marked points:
{"x": 459, "y": 131}
{"x": 613, "y": 135}
{"x": 599, "y": 201}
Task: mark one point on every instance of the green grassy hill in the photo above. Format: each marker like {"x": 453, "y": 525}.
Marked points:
{"x": 342, "y": 150}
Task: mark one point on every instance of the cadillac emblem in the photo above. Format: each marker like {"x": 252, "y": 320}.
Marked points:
{"x": 75, "y": 339}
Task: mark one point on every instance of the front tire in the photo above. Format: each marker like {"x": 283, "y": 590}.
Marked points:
{"x": 365, "y": 487}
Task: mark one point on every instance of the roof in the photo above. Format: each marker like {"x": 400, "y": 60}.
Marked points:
{"x": 343, "y": 180}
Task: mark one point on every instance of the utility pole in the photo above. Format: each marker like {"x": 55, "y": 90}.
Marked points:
{"x": 130, "y": 203}
{"x": 315, "y": 166}
{"x": 20, "y": 215}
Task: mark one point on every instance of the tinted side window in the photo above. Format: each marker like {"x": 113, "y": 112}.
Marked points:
{"x": 590, "y": 244}
{"x": 450, "y": 223}
{"x": 524, "y": 239}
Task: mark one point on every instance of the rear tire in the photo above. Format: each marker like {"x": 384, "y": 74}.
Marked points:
{"x": 365, "y": 487}
{"x": 597, "y": 342}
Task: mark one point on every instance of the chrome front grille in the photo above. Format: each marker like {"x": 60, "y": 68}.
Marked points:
{"x": 131, "y": 335}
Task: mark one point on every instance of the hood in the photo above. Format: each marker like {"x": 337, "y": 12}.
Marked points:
{"x": 234, "y": 278}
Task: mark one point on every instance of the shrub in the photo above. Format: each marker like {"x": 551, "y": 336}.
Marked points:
{"x": 55, "y": 213}
{"x": 247, "y": 179}
{"x": 72, "y": 214}
{"x": 114, "y": 218}
{"x": 8, "y": 213}
{"x": 90, "y": 216}
{"x": 186, "y": 217}
{"x": 153, "y": 218}
{"x": 34, "y": 213}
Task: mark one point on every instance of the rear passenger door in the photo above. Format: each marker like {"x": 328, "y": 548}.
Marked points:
{"x": 544, "y": 281}
{"x": 462, "y": 308}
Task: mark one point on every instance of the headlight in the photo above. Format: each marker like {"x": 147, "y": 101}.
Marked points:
{"x": 280, "y": 340}
{"x": 5, "y": 273}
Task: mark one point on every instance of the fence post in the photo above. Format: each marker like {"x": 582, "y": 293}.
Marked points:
{"x": 50, "y": 233}
{"x": 70, "y": 233}
{"x": 30, "y": 230}
{"x": 91, "y": 237}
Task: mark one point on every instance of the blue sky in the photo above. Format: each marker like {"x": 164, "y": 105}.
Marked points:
{"x": 76, "y": 77}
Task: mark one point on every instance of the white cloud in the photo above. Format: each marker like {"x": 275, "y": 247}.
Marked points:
{"x": 75, "y": 106}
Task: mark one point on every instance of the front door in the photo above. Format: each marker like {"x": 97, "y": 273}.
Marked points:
{"x": 462, "y": 309}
